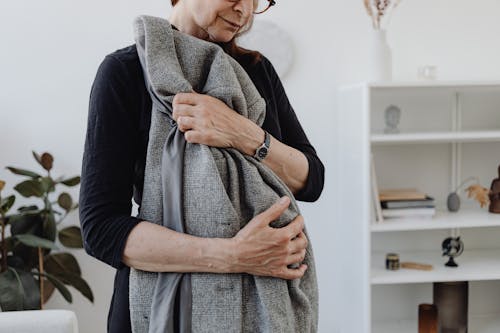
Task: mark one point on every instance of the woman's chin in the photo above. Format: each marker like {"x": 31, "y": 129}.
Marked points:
{"x": 222, "y": 37}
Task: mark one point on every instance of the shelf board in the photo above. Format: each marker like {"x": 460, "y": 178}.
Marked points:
{"x": 465, "y": 218}
{"x": 434, "y": 84}
{"x": 436, "y": 137}
{"x": 477, "y": 324}
{"x": 474, "y": 265}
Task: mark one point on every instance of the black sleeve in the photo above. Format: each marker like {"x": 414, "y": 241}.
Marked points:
{"x": 108, "y": 165}
{"x": 293, "y": 135}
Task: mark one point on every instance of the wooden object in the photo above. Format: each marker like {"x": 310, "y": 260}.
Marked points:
{"x": 495, "y": 194}
{"x": 427, "y": 318}
{"x": 416, "y": 265}
{"x": 452, "y": 301}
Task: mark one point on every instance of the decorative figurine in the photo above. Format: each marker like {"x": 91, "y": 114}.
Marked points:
{"x": 479, "y": 193}
{"x": 392, "y": 117}
{"x": 494, "y": 194}
{"x": 452, "y": 247}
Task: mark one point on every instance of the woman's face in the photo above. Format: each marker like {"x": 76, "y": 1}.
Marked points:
{"x": 220, "y": 20}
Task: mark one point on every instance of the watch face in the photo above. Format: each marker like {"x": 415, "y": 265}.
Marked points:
{"x": 262, "y": 152}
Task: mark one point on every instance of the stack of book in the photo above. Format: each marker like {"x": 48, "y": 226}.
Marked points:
{"x": 406, "y": 203}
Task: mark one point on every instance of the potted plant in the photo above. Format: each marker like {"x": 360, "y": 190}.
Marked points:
{"x": 32, "y": 265}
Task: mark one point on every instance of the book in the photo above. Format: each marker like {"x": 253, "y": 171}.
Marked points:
{"x": 409, "y": 212}
{"x": 427, "y": 202}
{"x": 374, "y": 187}
{"x": 401, "y": 194}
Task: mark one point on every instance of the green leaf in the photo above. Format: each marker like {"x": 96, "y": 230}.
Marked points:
{"x": 49, "y": 227}
{"x": 6, "y": 203}
{"x": 31, "y": 209}
{"x": 26, "y": 223}
{"x": 71, "y": 237}
{"x": 71, "y": 181}
{"x": 35, "y": 241}
{"x": 62, "y": 262}
{"x": 11, "y": 291}
{"x": 30, "y": 188}
{"x": 79, "y": 284}
{"x": 65, "y": 201}
{"x": 47, "y": 184}
{"x": 23, "y": 172}
{"x": 58, "y": 284}
{"x": 15, "y": 262}
{"x": 31, "y": 299}
{"x": 37, "y": 157}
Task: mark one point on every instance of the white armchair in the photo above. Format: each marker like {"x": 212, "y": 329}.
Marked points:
{"x": 30, "y": 321}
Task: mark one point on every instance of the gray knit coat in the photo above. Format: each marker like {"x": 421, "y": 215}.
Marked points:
{"x": 208, "y": 192}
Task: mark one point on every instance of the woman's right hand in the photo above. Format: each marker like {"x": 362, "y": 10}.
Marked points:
{"x": 260, "y": 249}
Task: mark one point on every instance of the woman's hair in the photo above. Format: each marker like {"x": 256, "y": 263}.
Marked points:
{"x": 239, "y": 53}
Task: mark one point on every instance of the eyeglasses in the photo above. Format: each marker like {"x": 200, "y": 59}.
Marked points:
{"x": 263, "y": 5}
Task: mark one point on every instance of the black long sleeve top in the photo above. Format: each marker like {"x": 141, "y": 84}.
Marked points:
{"x": 114, "y": 159}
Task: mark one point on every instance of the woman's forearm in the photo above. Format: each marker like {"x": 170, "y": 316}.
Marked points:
{"x": 257, "y": 249}
{"x": 288, "y": 163}
{"x": 154, "y": 248}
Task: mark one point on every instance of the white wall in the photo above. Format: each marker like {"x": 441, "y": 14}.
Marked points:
{"x": 51, "y": 49}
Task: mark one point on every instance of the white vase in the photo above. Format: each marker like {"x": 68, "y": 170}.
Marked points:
{"x": 380, "y": 57}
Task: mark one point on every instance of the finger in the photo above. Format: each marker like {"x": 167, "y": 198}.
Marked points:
{"x": 186, "y": 98}
{"x": 193, "y": 136}
{"x": 296, "y": 258}
{"x": 294, "y": 273}
{"x": 294, "y": 228}
{"x": 298, "y": 244}
{"x": 275, "y": 211}
{"x": 182, "y": 110}
{"x": 186, "y": 123}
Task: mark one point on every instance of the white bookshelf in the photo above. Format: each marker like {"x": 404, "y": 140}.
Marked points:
{"x": 448, "y": 132}
{"x": 477, "y": 324}
{"x": 436, "y": 137}
{"x": 474, "y": 265}
{"x": 465, "y": 218}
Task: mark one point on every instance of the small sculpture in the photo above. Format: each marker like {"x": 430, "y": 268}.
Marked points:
{"x": 494, "y": 194}
{"x": 452, "y": 247}
{"x": 479, "y": 193}
{"x": 392, "y": 117}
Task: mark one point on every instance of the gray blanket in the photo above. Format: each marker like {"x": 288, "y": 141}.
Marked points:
{"x": 208, "y": 192}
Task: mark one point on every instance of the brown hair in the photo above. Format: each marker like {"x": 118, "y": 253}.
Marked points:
{"x": 239, "y": 53}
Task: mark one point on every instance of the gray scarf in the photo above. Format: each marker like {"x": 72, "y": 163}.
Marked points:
{"x": 208, "y": 192}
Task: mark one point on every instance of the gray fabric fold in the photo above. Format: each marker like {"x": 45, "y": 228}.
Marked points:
{"x": 208, "y": 192}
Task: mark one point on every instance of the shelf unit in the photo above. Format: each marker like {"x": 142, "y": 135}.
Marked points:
{"x": 483, "y": 324}
{"x": 448, "y": 132}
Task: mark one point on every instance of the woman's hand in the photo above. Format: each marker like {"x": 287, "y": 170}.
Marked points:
{"x": 207, "y": 120}
{"x": 263, "y": 250}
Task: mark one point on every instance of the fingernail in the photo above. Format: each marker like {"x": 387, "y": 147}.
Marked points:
{"x": 283, "y": 200}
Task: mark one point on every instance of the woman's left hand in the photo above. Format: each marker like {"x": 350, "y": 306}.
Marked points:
{"x": 207, "y": 120}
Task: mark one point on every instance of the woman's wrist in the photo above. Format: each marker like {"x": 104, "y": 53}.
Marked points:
{"x": 218, "y": 256}
{"x": 249, "y": 137}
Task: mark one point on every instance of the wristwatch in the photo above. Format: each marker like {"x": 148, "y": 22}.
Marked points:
{"x": 262, "y": 151}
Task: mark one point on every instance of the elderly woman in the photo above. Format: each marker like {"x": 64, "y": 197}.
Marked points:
{"x": 115, "y": 153}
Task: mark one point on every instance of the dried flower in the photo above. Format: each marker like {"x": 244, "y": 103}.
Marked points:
{"x": 377, "y": 9}
{"x": 480, "y": 194}
{"x": 2, "y": 184}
